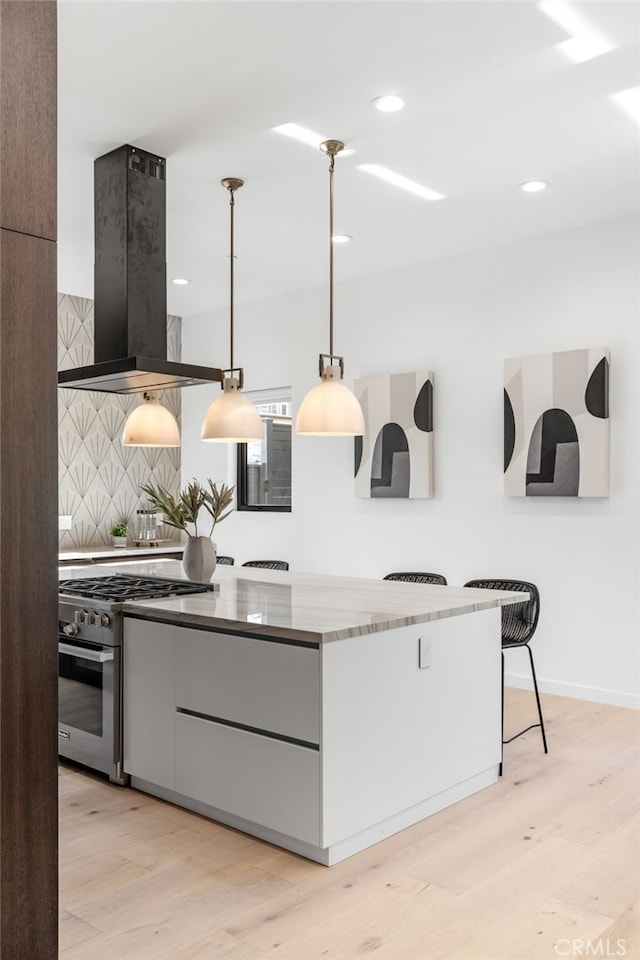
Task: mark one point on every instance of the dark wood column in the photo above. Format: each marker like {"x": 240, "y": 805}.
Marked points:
{"x": 28, "y": 482}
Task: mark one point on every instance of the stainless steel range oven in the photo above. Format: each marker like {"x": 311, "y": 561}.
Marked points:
{"x": 89, "y": 663}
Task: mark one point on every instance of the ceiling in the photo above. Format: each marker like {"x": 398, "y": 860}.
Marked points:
{"x": 491, "y": 101}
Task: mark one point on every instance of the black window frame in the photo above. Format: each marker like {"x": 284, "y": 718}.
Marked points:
{"x": 241, "y": 482}
{"x": 241, "y": 488}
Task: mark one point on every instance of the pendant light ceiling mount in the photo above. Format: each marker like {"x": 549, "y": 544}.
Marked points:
{"x": 232, "y": 417}
{"x": 332, "y": 147}
{"x": 330, "y": 409}
{"x": 232, "y": 184}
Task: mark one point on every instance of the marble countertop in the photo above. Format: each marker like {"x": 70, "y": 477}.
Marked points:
{"x": 87, "y": 554}
{"x": 310, "y": 607}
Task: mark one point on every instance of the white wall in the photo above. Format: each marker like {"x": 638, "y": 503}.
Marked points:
{"x": 460, "y": 317}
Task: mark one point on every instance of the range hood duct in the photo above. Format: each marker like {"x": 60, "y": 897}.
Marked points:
{"x": 130, "y": 312}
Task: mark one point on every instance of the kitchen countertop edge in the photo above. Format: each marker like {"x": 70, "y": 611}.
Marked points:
{"x": 162, "y": 612}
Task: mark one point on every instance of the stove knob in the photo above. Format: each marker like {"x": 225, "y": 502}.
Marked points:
{"x": 78, "y": 617}
{"x": 71, "y": 629}
{"x": 103, "y": 619}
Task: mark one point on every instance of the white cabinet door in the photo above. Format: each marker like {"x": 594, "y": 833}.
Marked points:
{"x": 257, "y": 778}
{"x": 271, "y": 686}
{"x": 149, "y": 701}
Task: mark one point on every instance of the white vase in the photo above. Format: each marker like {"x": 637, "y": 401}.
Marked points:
{"x": 120, "y": 541}
{"x": 199, "y": 558}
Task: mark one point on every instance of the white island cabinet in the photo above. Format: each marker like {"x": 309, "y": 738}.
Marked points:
{"x": 318, "y": 713}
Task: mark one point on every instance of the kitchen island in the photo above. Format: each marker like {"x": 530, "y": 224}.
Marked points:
{"x": 319, "y": 713}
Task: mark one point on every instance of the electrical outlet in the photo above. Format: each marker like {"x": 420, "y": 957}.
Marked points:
{"x": 64, "y": 522}
{"x": 424, "y": 652}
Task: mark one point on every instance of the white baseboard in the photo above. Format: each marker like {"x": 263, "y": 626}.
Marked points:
{"x": 596, "y": 694}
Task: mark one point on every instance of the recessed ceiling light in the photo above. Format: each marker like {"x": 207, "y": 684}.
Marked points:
{"x": 629, "y": 101}
{"x": 534, "y": 186}
{"x": 584, "y": 43}
{"x": 341, "y": 238}
{"x": 180, "y": 281}
{"x": 389, "y": 103}
{"x": 397, "y": 180}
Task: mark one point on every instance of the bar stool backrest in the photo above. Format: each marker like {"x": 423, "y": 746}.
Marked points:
{"x": 519, "y": 620}
{"x": 418, "y": 578}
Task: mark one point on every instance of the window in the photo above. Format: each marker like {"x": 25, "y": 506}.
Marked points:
{"x": 264, "y": 469}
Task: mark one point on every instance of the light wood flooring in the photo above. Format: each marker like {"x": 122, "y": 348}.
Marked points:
{"x": 542, "y": 865}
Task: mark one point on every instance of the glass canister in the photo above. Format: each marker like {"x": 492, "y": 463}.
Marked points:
{"x": 146, "y": 525}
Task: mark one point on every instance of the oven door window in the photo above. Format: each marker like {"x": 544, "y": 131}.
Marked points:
{"x": 80, "y": 683}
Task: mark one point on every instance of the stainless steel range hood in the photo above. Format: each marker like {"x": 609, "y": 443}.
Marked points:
{"x": 130, "y": 312}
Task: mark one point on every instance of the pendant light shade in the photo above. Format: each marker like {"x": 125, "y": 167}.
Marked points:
{"x": 232, "y": 417}
{"x": 150, "y": 425}
{"x": 330, "y": 409}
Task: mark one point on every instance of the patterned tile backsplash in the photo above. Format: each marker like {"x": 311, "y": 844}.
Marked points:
{"x": 99, "y": 479}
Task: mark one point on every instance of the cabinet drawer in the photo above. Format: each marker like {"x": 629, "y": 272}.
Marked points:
{"x": 266, "y": 781}
{"x": 270, "y": 686}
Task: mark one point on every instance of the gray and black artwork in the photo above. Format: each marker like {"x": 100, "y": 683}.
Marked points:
{"x": 390, "y": 471}
{"x": 556, "y": 424}
{"x": 394, "y": 459}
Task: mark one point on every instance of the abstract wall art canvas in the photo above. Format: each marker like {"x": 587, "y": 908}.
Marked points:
{"x": 556, "y": 424}
{"x": 394, "y": 459}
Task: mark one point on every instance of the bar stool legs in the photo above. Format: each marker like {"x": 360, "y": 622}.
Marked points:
{"x": 532, "y": 726}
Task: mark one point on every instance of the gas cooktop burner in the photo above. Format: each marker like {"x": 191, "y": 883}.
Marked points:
{"x": 126, "y": 586}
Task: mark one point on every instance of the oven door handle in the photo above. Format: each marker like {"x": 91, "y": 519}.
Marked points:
{"x": 98, "y": 656}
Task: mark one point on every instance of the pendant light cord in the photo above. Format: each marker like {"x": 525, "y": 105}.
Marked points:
{"x": 232, "y": 184}
{"x": 331, "y": 148}
{"x": 331, "y": 168}
{"x": 232, "y": 204}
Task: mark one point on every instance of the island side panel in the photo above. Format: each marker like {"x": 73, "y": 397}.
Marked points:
{"x": 395, "y": 736}
{"x": 149, "y": 701}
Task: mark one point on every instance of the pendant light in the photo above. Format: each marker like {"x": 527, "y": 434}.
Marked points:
{"x": 232, "y": 417}
{"x": 330, "y": 409}
{"x": 150, "y": 425}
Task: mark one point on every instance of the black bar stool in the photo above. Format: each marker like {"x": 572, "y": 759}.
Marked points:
{"x": 519, "y": 622}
